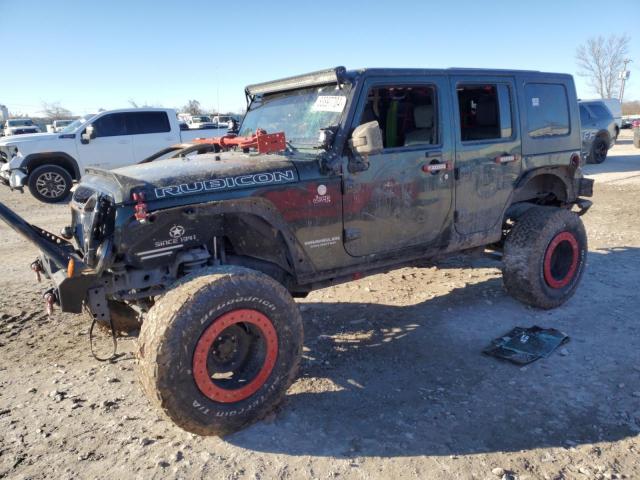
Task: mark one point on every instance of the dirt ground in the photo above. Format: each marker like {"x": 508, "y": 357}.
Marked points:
{"x": 392, "y": 385}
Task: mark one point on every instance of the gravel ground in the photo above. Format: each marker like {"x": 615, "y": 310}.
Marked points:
{"x": 392, "y": 384}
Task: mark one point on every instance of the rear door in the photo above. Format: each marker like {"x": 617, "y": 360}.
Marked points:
{"x": 403, "y": 197}
{"x": 112, "y": 146}
{"x": 151, "y": 133}
{"x": 488, "y": 156}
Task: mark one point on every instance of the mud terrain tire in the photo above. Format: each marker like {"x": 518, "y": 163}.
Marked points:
{"x": 231, "y": 320}
{"x": 544, "y": 257}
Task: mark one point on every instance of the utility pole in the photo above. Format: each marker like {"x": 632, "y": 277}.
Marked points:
{"x": 624, "y": 76}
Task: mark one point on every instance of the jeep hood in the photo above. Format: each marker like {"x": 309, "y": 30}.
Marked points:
{"x": 196, "y": 175}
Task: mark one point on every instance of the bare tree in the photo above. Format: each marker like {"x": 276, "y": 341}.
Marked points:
{"x": 55, "y": 111}
{"x": 192, "y": 107}
{"x": 601, "y": 60}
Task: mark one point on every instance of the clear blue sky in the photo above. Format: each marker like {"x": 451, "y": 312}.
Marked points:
{"x": 90, "y": 55}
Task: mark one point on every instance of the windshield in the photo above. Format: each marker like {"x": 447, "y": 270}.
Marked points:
{"x": 300, "y": 114}
{"x": 73, "y": 126}
{"x": 21, "y": 123}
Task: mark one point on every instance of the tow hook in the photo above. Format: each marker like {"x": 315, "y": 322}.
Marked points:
{"x": 37, "y": 267}
{"x": 50, "y": 298}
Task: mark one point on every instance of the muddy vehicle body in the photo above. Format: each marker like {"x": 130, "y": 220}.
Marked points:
{"x": 334, "y": 175}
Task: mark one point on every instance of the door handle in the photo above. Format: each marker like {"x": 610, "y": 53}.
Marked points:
{"x": 506, "y": 158}
{"x": 436, "y": 166}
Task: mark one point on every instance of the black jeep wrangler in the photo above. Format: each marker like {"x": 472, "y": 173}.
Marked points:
{"x": 333, "y": 175}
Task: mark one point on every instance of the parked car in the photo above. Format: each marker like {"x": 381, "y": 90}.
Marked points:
{"x": 49, "y": 163}
{"x": 394, "y": 166}
{"x": 19, "y": 126}
{"x": 200, "y": 122}
{"x": 598, "y": 130}
{"x": 613, "y": 105}
{"x": 627, "y": 120}
{"x": 58, "y": 125}
{"x": 222, "y": 121}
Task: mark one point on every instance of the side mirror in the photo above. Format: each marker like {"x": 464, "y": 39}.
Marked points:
{"x": 366, "y": 139}
{"x": 89, "y": 134}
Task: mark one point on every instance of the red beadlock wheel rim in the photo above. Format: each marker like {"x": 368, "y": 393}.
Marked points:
{"x": 561, "y": 260}
{"x": 201, "y": 373}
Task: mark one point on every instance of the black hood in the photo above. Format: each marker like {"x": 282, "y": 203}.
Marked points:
{"x": 197, "y": 174}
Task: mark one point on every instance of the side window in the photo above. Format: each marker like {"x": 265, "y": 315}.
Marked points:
{"x": 584, "y": 115}
{"x": 547, "y": 110}
{"x": 407, "y": 115}
{"x": 148, "y": 122}
{"x": 485, "y": 112}
{"x": 600, "y": 110}
{"x": 110, "y": 125}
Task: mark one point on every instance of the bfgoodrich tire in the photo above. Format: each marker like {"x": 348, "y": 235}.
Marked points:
{"x": 220, "y": 350}
{"x": 49, "y": 183}
{"x": 544, "y": 257}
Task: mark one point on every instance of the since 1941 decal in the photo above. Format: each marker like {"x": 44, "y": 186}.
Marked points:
{"x": 216, "y": 184}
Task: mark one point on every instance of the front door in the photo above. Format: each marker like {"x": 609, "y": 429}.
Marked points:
{"x": 112, "y": 146}
{"x": 403, "y": 197}
{"x": 488, "y": 150}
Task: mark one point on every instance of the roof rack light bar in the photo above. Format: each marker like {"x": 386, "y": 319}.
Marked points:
{"x": 321, "y": 77}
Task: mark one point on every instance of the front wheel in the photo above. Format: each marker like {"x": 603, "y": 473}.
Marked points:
{"x": 544, "y": 257}
{"x": 219, "y": 351}
{"x": 50, "y": 183}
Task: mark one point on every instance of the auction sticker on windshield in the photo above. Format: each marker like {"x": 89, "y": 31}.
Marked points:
{"x": 329, "y": 103}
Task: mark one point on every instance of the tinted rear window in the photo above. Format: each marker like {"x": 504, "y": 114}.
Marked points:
{"x": 584, "y": 114}
{"x": 600, "y": 111}
{"x": 147, "y": 122}
{"x": 547, "y": 110}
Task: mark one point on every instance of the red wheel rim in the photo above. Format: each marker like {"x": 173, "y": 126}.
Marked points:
{"x": 200, "y": 370}
{"x": 558, "y": 272}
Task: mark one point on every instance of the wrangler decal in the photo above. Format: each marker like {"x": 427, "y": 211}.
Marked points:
{"x": 263, "y": 178}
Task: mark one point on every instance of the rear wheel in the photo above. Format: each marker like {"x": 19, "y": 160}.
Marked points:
{"x": 544, "y": 257}
{"x": 50, "y": 183}
{"x": 599, "y": 150}
{"x": 219, "y": 351}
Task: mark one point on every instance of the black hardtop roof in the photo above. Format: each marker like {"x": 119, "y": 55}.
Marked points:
{"x": 338, "y": 74}
{"x": 452, "y": 71}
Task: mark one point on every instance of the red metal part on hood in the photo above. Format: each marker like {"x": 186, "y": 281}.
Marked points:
{"x": 262, "y": 141}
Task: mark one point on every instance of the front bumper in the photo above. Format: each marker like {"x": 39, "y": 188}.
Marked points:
{"x": 13, "y": 178}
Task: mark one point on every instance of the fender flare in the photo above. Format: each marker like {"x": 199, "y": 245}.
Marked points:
{"x": 34, "y": 160}
{"x": 563, "y": 173}
{"x": 211, "y": 218}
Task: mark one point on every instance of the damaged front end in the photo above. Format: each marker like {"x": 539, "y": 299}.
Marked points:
{"x": 60, "y": 261}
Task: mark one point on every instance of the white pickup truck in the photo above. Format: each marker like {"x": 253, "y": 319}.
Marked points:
{"x": 19, "y": 126}
{"x": 48, "y": 163}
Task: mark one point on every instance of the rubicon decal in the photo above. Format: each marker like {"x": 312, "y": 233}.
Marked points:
{"x": 215, "y": 184}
